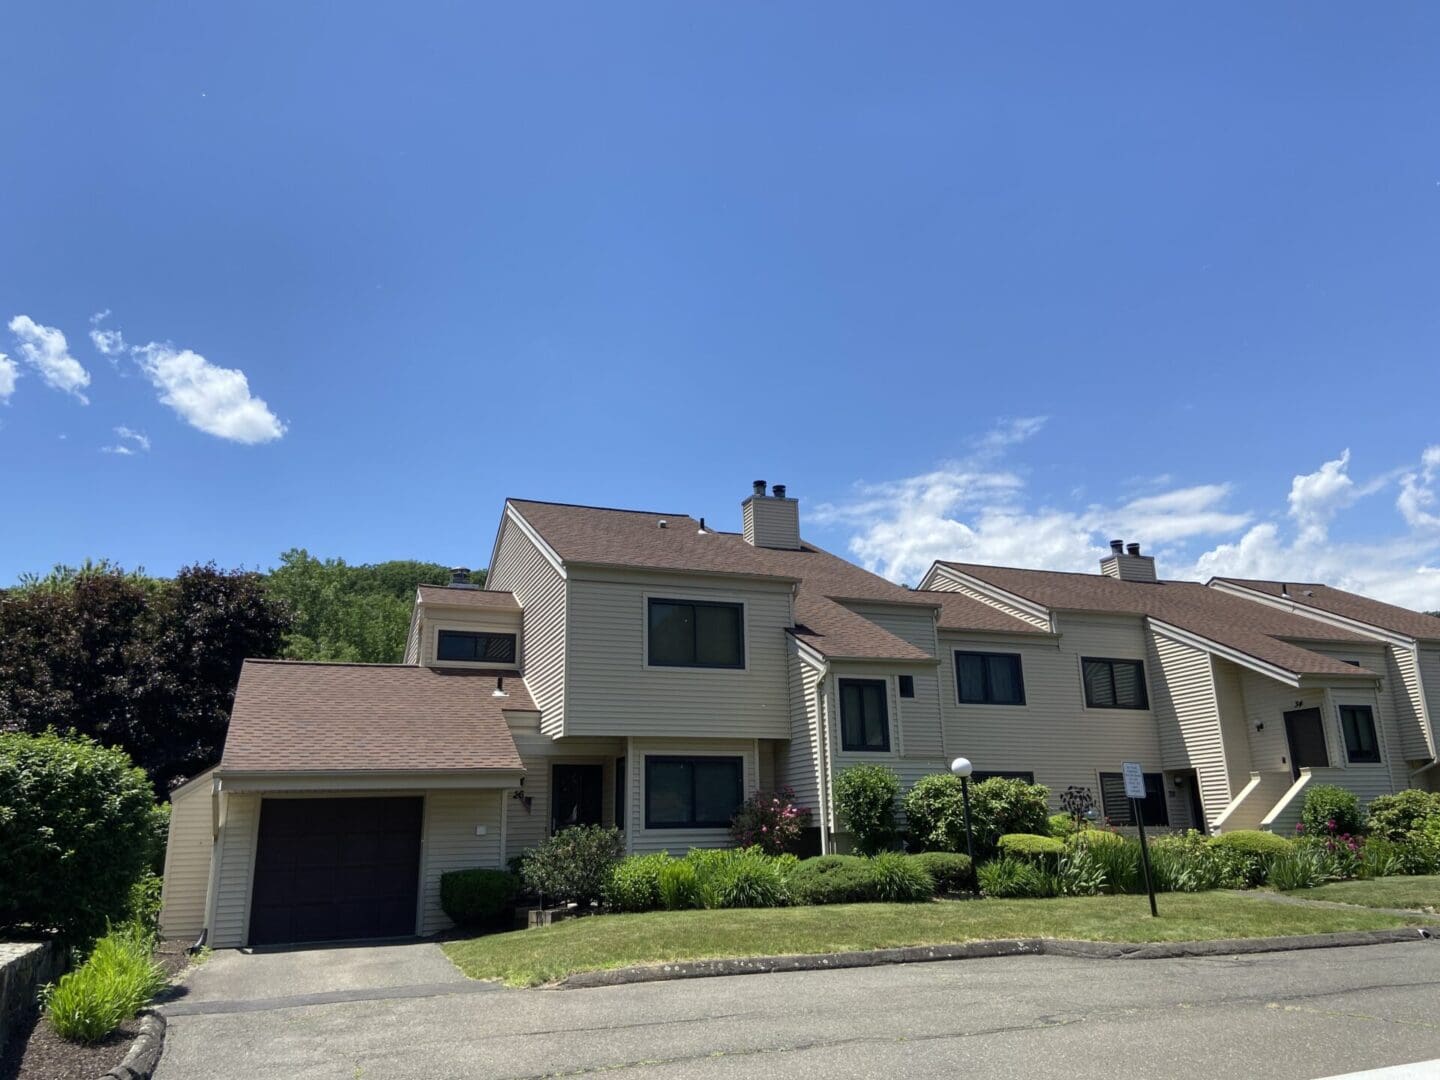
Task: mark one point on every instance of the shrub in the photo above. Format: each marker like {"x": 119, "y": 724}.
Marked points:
{"x": 1396, "y": 816}
{"x": 1035, "y": 848}
{"x": 1299, "y": 868}
{"x": 573, "y": 865}
{"x": 1061, "y": 826}
{"x": 1184, "y": 863}
{"x": 747, "y": 879}
{"x": 680, "y": 887}
{"x": 951, "y": 872}
{"x": 833, "y": 879}
{"x": 1382, "y": 857}
{"x": 1244, "y": 854}
{"x": 477, "y": 897}
{"x": 634, "y": 883}
{"x": 1008, "y": 877}
{"x": 77, "y": 828}
{"x": 115, "y": 982}
{"x": 999, "y": 806}
{"x": 1331, "y": 811}
{"x": 771, "y": 821}
{"x": 935, "y": 813}
{"x": 899, "y": 879}
{"x": 865, "y": 801}
{"x": 143, "y": 906}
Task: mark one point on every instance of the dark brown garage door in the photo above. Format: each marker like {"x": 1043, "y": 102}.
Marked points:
{"x": 332, "y": 869}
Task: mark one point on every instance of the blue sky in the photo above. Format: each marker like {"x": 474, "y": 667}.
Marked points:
{"x": 987, "y": 283}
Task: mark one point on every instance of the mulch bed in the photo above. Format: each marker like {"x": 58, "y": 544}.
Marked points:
{"x": 35, "y": 1052}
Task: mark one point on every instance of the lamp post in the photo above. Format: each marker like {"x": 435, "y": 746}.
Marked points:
{"x": 962, "y": 768}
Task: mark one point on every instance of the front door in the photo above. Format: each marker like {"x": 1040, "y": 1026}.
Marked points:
{"x": 1306, "y": 734}
{"x": 576, "y": 795}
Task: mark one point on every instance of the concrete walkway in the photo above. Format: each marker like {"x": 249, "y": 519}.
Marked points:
{"x": 1287, "y": 1016}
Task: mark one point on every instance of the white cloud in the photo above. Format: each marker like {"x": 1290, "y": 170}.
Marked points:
{"x": 109, "y": 343}
{"x": 130, "y": 441}
{"x": 214, "y": 399}
{"x": 44, "y": 348}
{"x": 978, "y": 510}
{"x": 9, "y": 374}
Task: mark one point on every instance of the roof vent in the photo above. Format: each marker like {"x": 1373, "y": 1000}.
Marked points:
{"x": 499, "y": 690}
{"x": 662, "y": 523}
{"x": 702, "y": 529}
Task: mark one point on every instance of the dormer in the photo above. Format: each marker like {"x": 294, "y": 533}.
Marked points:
{"x": 464, "y": 626}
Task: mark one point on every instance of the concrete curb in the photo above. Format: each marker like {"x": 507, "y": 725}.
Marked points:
{"x": 977, "y": 950}
{"x": 145, "y": 1051}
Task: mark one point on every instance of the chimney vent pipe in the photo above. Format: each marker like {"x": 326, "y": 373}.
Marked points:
{"x": 459, "y": 575}
{"x": 759, "y": 486}
{"x": 778, "y": 491}
{"x": 1117, "y": 547}
{"x": 1133, "y": 549}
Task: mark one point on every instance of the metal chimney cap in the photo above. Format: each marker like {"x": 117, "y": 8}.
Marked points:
{"x": 459, "y": 575}
{"x": 1133, "y": 549}
{"x": 1117, "y": 547}
{"x": 759, "y": 486}
{"x": 778, "y": 491}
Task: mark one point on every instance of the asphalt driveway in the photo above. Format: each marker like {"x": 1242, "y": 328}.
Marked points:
{"x": 305, "y": 1015}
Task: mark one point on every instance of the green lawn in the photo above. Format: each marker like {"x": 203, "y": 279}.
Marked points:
{"x": 531, "y": 957}
{"x": 1415, "y": 893}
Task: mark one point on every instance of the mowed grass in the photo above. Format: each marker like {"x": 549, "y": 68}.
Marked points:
{"x": 1415, "y": 893}
{"x": 532, "y": 957}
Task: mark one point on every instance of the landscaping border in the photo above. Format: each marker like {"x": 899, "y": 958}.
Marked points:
{"x": 144, "y": 1055}
{"x": 976, "y": 950}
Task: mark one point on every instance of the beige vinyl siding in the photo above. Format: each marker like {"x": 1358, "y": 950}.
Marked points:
{"x": 1053, "y": 734}
{"x": 1235, "y": 728}
{"x": 450, "y": 843}
{"x": 539, "y": 589}
{"x": 188, "y": 849}
{"x": 612, "y": 691}
{"x": 944, "y": 583}
{"x": 1402, "y": 673}
{"x": 771, "y": 523}
{"x": 1382, "y": 701}
{"x": 800, "y": 764}
{"x": 920, "y": 727}
{"x": 1187, "y": 715}
{"x": 240, "y": 818}
{"x": 641, "y": 840}
{"x": 1428, "y": 659}
{"x": 765, "y": 764}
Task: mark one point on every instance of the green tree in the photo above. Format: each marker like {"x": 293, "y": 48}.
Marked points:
{"x": 356, "y": 614}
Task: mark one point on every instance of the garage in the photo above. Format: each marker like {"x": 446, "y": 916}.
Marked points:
{"x": 336, "y": 869}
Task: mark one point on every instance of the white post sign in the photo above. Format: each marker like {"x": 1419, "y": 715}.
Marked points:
{"x": 1134, "y": 780}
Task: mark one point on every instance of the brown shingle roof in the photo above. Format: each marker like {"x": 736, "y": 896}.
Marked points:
{"x": 1262, "y": 632}
{"x": 1350, "y": 605}
{"x": 494, "y": 599}
{"x": 961, "y": 612}
{"x": 633, "y": 538}
{"x": 299, "y": 717}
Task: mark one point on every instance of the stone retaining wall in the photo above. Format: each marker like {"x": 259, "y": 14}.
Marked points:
{"x": 25, "y": 966}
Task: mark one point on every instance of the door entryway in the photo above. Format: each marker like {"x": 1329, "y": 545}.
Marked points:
{"x": 335, "y": 869}
{"x": 577, "y": 795}
{"x": 1305, "y": 732}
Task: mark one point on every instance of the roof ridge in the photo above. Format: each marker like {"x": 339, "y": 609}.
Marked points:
{"x": 1089, "y": 575}
{"x": 324, "y": 663}
{"x": 591, "y": 506}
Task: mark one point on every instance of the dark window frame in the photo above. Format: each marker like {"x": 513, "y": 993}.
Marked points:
{"x": 1351, "y": 750}
{"x": 1144, "y": 682}
{"x": 734, "y": 605}
{"x": 862, "y": 747}
{"x": 474, "y": 636}
{"x": 1154, "y": 799}
{"x": 989, "y": 690}
{"x": 651, "y": 760}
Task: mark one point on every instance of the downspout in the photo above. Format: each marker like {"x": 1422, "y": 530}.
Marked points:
{"x": 822, "y": 749}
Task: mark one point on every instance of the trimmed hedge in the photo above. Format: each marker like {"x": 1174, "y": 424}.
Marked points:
{"x": 477, "y": 897}
{"x": 1030, "y": 846}
{"x": 833, "y": 879}
{"x": 951, "y": 873}
{"x": 1252, "y": 842}
{"x": 634, "y": 884}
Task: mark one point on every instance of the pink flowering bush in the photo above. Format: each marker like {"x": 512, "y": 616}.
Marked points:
{"x": 771, "y": 821}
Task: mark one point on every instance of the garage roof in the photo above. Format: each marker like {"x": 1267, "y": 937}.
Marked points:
{"x": 307, "y": 717}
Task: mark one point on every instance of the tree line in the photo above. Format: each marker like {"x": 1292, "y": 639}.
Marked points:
{"x": 149, "y": 664}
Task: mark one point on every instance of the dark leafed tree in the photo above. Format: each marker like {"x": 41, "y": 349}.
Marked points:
{"x": 144, "y": 665}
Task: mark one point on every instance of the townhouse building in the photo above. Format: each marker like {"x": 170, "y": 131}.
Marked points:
{"x": 648, "y": 671}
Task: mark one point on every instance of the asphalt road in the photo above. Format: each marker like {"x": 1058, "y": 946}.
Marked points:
{"x": 1285, "y": 1015}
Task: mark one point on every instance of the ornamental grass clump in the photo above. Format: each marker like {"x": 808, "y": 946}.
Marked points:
{"x": 115, "y": 982}
{"x": 899, "y": 879}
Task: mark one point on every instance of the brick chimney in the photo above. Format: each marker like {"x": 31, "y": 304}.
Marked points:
{"x": 773, "y": 520}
